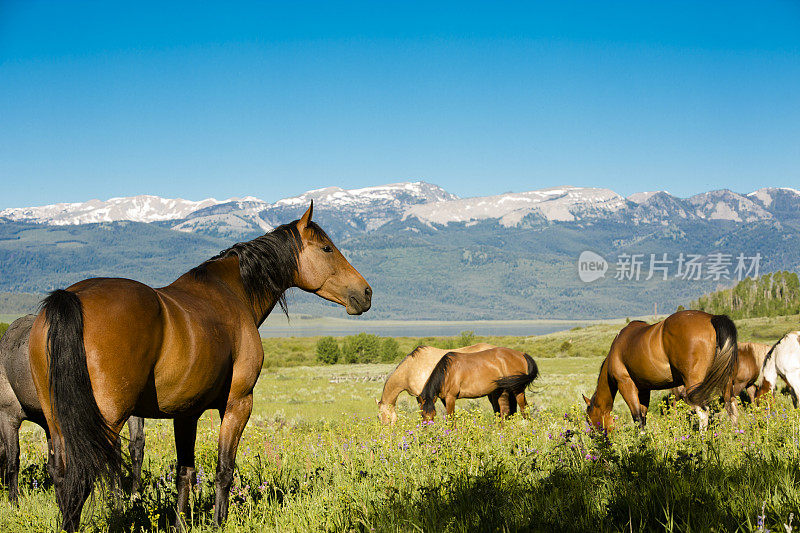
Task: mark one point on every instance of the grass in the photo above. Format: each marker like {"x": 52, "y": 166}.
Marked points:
{"x": 314, "y": 458}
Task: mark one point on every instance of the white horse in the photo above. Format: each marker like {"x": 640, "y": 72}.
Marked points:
{"x": 783, "y": 360}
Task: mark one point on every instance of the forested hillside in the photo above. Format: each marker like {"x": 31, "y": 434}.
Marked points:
{"x": 772, "y": 294}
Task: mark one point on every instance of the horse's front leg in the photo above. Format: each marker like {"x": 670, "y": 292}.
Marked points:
{"x": 185, "y": 435}
{"x": 450, "y": 405}
{"x": 630, "y": 393}
{"x": 234, "y": 418}
{"x": 644, "y": 405}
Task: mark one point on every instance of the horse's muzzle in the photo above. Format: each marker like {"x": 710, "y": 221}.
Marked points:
{"x": 359, "y": 302}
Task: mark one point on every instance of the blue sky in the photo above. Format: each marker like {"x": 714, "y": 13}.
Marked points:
{"x": 204, "y": 99}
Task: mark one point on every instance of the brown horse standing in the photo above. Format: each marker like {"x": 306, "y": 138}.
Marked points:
{"x": 474, "y": 375}
{"x": 690, "y": 348}
{"x": 106, "y": 349}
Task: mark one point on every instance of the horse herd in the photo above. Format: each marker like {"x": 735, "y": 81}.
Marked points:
{"x": 109, "y": 351}
{"x": 691, "y": 352}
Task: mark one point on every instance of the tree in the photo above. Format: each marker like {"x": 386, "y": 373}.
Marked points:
{"x": 328, "y": 350}
{"x": 361, "y": 348}
{"x": 390, "y": 350}
{"x": 467, "y": 338}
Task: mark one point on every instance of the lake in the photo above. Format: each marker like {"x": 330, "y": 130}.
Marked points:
{"x": 304, "y": 327}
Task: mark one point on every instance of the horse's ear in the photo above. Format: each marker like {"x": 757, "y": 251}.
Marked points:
{"x": 585, "y": 399}
{"x": 306, "y": 218}
{"x": 377, "y": 401}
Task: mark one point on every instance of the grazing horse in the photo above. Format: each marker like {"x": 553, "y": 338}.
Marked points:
{"x": 473, "y": 375}
{"x": 415, "y": 369}
{"x": 689, "y": 348}
{"x": 783, "y": 360}
{"x": 106, "y": 349}
{"x": 751, "y": 359}
{"x": 18, "y": 402}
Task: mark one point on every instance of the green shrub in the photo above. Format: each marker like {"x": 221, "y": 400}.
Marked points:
{"x": 361, "y": 348}
{"x": 390, "y": 350}
{"x": 328, "y": 350}
{"x": 466, "y": 338}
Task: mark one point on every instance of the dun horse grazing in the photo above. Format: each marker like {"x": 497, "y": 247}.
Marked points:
{"x": 783, "y": 360}
{"x": 413, "y": 372}
{"x": 751, "y": 359}
{"x": 473, "y": 375}
{"x": 689, "y": 348}
{"x": 18, "y": 402}
{"x": 190, "y": 346}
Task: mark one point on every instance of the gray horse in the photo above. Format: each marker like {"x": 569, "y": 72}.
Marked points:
{"x": 18, "y": 402}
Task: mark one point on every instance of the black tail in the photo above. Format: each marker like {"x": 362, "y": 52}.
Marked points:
{"x": 723, "y": 367}
{"x": 89, "y": 443}
{"x": 433, "y": 387}
{"x": 519, "y": 382}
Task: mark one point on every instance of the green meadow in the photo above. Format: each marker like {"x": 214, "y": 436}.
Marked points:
{"x": 314, "y": 457}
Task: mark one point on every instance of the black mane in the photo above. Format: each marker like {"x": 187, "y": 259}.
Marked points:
{"x": 267, "y": 264}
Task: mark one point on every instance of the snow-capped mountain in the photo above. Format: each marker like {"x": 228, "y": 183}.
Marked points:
{"x": 144, "y": 208}
{"x": 728, "y": 205}
{"x": 554, "y": 204}
{"x": 366, "y": 209}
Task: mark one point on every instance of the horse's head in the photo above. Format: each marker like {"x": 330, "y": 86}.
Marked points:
{"x": 598, "y": 418}
{"x": 386, "y": 413}
{"x": 764, "y": 389}
{"x": 428, "y": 415}
{"x": 323, "y": 270}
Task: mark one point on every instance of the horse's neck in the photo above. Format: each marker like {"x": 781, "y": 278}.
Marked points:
{"x": 770, "y": 370}
{"x": 227, "y": 271}
{"x": 604, "y": 394}
{"x": 395, "y": 384}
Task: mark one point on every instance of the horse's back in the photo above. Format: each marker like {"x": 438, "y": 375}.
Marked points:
{"x": 417, "y": 366}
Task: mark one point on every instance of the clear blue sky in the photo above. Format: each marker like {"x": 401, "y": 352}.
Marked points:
{"x": 198, "y": 99}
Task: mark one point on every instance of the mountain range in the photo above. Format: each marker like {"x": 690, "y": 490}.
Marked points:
{"x": 368, "y": 209}
{"x": 433, "y": 254}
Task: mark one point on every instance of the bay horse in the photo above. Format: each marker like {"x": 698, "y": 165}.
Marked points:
{"x": 18, "y": 402}
{"x": 783, "y": 360}
{"x": 413, "y": 372}
{"x": 105, "y": 349}
{"x": 751, "y": 359}
{"x": 473, "y": 375}
{"x": 690, "y": 348}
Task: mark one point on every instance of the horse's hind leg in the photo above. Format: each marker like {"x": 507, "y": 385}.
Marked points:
{"x": 185, "y": 434}
{"x": 136, "y": 449}
{"x": 9, "y": 433}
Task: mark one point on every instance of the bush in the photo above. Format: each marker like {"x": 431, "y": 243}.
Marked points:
{"x": 328, "y": 350}
{"x": 390, "y": 350}
{"x": 467, "y": 338}
{"x": 361, "y": 348}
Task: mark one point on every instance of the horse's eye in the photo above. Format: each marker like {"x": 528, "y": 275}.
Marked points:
{"x": 327, "y": 249}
